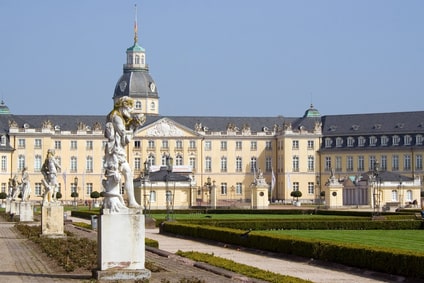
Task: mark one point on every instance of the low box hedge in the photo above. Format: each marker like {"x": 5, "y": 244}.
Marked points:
{"x": 385, "y": 260}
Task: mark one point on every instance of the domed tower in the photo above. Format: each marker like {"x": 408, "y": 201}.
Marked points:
{"x": 136, "y": 81}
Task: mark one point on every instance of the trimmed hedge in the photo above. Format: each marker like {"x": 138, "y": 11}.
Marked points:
{"x": 385, "y": 260}
{"x": 305, "y": 224}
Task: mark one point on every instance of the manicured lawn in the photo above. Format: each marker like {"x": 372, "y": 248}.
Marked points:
{"x": 411, "y": 240}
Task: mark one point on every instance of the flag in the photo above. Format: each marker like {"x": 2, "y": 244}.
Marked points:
{"x": 289, "y": 185}
{"x": 272, "y": 180}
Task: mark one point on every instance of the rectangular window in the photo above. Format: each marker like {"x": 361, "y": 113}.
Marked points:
{"x": 361, "y": 163}
{"x": 89, "y": 145}
{"x": 37, "y": 189}
{"x": 295, "y": 144}
{"x": 179, "y": 144}
{"x": 395, "y": 162}
{"x": 208, "y": 164}
{"x": 192, "y": 144}
{"x": 295, "y": 163}
{"x": 239, "y": 189}
{"x": 349, "y": 163}
{"x": 192, "y": 162}
{"x": 37, "y": 163}
{"x": 137, "y": 144}
{"x": 224, "y": 164}
{"x": 239, "y": 145}
{"x": 268, "y": 145}
{"x": 137, "y": 163}
{"x": 21, "y": 143}
{"x": 3, "y": 188}
{"x": 57, "y": 144}
{"x": 223, "y": 145}
{"x": 253, "y": 145}
{"x": 239, "y": 165}
{"x": 327, "y": 163}
{"x": 419, "y": 162}
{"x": 4, "y": 163}
{"x": 295, "y": 186}
{"x": 338, "y": 163}
{"x": 37, "y": 143}
{"x": 74, "y": 164}
{"x": 310, "y": 144}
{"x": 208, "y": 145}
{"x": 74, "y": 145}
{"x": 311, "y": 163}
{"x": 89, "y": 188}
{"x": 383, "y": 163}
{"x": 407, "y": 162}
{"x": 165, "y": 144}
{"x": 223, "y": 188}
{"x": 372, "y": 161}
{"x": 311, "y": 187}
{"x": 151, "y": 144}
{"x": 268, "y": 164}
{"x": 89, "y": 164}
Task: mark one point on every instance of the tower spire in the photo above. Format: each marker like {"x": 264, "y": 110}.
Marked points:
{"x": 135, "y": 26}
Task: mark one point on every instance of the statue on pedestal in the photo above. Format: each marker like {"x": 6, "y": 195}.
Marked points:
{"x": 49, "y": 171}
{"x": 14, "y": 188}
{"x": 120, "y": 126}
{"x": 25, "y": 185}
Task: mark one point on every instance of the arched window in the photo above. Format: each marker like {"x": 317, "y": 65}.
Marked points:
{"x": 152, "y": 106}
{"x": 253, "y": 167}
{"x": 151, "y": 160}
{"x": 394, "y": 195}
{"x": 138, "y": 105}
{"x": 179, "y": 160}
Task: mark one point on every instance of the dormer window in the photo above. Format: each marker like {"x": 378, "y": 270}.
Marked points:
{"x": 328, "y": 142}
{"x": 355, "y": 127}
{"x": 384, "y": 140}
{"x": 400, "y": 125}
{"x": 339, "y": 142}
{"x": 361, "y": 141}
{"x": 395, "y": 140}
{"x": 350, "y": 142}
{"x": 407, "y": 140}
{"x": 373, "y": 141}
{"x": 377, "y": 126}
{"x": 3, "y": 140}
{"x": 419, "y": 140}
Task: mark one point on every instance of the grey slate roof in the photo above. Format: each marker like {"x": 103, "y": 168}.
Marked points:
{"x": 377, "y": 123}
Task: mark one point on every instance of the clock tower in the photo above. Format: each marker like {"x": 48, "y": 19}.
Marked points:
{"x": 136, "y": 81}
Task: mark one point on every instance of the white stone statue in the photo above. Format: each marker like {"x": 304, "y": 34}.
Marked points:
{"x": 120, "y": 127}
{"x": 14, "y": 188}
{"x": 49, "y": 171}
{"x": 25, "y": 185}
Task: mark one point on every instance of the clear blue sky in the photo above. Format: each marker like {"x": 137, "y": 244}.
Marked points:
{"x": 216, "y": 57}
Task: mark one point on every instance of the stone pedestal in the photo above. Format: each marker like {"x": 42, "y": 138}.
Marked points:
{"x": 26, "y": 212}
{"x": 14, "y": 207}
{"x": 8, "y": 205}
{"x": 121, "y": 248}
{"x": 260, "y": 195}
{"x": 52, "y": 220}
{"x": 334, "y": 194}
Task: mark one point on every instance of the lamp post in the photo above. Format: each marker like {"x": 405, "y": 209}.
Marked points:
{"x": 75, "y": 192}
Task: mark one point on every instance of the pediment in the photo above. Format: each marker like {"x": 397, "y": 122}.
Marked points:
{"x": 165, "y": 128}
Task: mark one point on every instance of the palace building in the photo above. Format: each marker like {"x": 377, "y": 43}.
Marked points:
{"x": 368, "y": 154}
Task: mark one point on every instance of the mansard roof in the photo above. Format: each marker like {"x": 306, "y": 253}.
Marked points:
{"x": 373, "y": 124}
